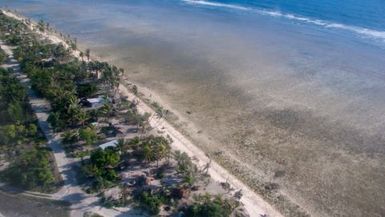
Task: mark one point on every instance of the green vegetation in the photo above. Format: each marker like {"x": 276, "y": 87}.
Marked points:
{"x": 56, "y": 75}
{"x": 186, "y": 168}
{"x": 100, "y": 168}
{"x": 149, "y": 201}
{"x": 18, "y": 129}
{"x": 30, "y": 166}
{"x": 88, "y": 135}
{"x": 20, "y": 139}
{"x": 159, "y": 110}
{"x": 70, "y": 137}
{"x": 149, "y": 149}
{"x": 90, "y": 214}
{"x": 41, "y": 26}
{"x": 16, "y": 134}
{"x": 32, "y": 170}
{"x": 13, "y": 99}
{"x": 12, "y": 31}
{"x": 3, "y": 56}
{"x": 208, "y": 206}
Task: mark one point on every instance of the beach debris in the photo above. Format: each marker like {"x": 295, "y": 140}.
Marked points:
{"x": 179, "y": 193}
{"x": 226, "y": 186}
{"x": 238, "y": 195}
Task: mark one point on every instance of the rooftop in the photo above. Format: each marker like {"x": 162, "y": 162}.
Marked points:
{"x": 112, "y": 143}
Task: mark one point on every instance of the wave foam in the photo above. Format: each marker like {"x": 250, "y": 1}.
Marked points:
{"x": 355, "y": 29}
{"x": 214, "y": 4}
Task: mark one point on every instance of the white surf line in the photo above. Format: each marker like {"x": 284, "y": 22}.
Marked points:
{"x": 214, "y": 4}
{"x": 362, "y": 31}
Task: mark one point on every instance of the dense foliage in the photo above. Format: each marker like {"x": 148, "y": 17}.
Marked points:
{"x": 13, "y": 98}
{"x": 100, "y": 168}
{"x": 20, "y": 140}
{"x": 3, "y": 56}
{"x": 149, "y": 201}
{"x": 185, "y": 167}
{"x": 12, "y": 31}
{"x": 88, "y": 135}
{"x": 17, "y": 124}
{"x": 150, "y": 149}
{"x": 31, "y": 170}
{"x": 208, "y": 206}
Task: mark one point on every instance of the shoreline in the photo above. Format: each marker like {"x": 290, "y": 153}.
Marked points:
{"x": 253, "y": 203}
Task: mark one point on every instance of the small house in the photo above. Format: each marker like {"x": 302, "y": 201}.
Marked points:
{"x": 113, "y": 143}
{"x": 95, "y": 102}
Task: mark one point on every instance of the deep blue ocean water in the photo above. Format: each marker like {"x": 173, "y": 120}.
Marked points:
{"x": 365, "y": 17}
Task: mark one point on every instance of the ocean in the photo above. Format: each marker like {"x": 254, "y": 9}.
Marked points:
{"x": 360, "y": 17}
{"x": 285, "y": 87}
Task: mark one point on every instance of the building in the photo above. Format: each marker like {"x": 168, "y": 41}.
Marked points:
{"x": 95, "y": 102}
{"x": 113, "y": 143}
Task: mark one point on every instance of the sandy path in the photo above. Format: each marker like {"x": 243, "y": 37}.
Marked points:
{"x": 254, "y": 204}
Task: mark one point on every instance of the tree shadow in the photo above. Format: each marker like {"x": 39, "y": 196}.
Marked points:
{"x": 74, "y": 198}
{"x": 133, "y": 212}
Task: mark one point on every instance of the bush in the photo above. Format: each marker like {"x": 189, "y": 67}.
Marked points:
{"x": 206, "y": 206}
{"x": 101, "y": 168}
{"x": 17, "y": 133}
{"x": 3, "y": 56}
{"x": 89, "y": 135}
{"x": 149, "y": 201}
{"x": 186, "y": 167}
{"x": 31, "y": 170}
{"x": 149, "y": 149}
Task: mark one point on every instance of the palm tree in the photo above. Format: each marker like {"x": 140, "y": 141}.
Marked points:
{"x": 81, "y": 54}
{"x": 105, "y": 110}
{"x": 144, "y": 122}
{"x": 82, "y": 117}
{"x": 121, "y": 143}
{"x": 88, "y": 51}
{"x": 162, "y": 151}
{"x": 147, "y": 153}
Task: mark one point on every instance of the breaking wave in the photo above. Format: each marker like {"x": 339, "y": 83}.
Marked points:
{"x": 369, "y": 33}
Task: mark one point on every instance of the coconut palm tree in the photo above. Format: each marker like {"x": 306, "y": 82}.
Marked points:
{"x": 162, "y": 150}
{"x": 88, "y": 53}
{"x": 81, "y": 54}
{"x": 82, "y": 117}
{"x": 147, "y": 153}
